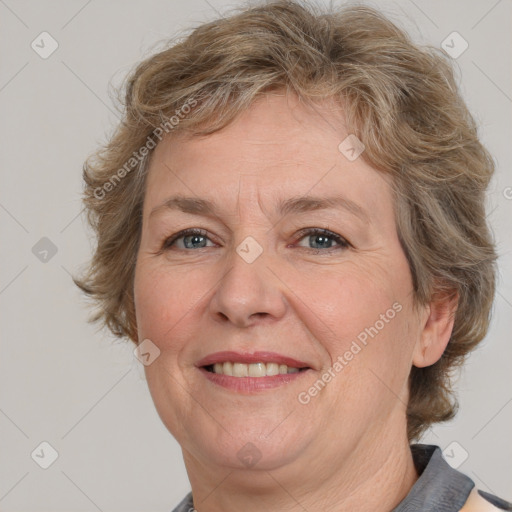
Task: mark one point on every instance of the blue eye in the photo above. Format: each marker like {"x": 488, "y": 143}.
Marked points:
{"x": 323, "y": 239}
{"x": 198, "y": 239}
{"x": 192, "y": 239}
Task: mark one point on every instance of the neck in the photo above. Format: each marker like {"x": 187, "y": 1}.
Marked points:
{"x": 373, "y": 478}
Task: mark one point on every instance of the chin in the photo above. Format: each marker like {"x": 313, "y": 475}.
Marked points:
{"x": 242, "y": 448}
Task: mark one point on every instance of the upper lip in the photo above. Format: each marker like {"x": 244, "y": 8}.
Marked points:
{"x": 252, "y": 357}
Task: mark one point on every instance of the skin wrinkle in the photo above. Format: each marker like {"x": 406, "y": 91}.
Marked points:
{"x": 304, "y": 304}
{"x": 349, "y": 441}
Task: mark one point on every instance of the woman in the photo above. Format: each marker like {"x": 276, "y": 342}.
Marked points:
{"x": 291, "y": 227}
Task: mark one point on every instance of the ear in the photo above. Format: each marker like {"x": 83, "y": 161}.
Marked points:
{"x": 437, "y": 328}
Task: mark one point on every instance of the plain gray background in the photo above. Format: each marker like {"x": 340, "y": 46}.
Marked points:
{"x": 62, "y": 381}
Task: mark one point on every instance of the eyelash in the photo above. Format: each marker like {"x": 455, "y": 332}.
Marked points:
{"x": 342, "y": 243}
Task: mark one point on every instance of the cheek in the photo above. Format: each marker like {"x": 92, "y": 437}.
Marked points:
{"x": 171, "y": 306}
{"x": 369, "y": 319}
{"x": 161, "y": 299}
{"x": 350, "y": 302}
{"x": 370, "y": 353}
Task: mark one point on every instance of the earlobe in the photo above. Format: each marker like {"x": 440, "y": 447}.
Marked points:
{"x": 437, "y": 328}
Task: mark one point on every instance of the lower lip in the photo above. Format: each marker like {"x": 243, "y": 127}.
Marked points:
{"x": 251, "y": 384}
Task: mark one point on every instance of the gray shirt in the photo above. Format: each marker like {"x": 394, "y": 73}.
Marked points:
{"x": 439, "y": 488}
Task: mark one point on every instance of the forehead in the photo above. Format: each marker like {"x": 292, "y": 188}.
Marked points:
{"x": 277, "y": 149}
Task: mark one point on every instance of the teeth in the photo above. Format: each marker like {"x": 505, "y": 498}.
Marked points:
{"x": 272, "y": 369}
{"x": 257, "y": 370}
{"x": 240, "y": 370}
{"x": 227, "y": 369}
{"x": 252, "y": 370}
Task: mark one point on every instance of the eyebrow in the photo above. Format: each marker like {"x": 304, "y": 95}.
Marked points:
{"x": 198, "y": 206}
{"x": 311, "y": 203}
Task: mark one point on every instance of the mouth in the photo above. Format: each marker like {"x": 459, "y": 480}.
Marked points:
{"x": 251, "y": 372}
{"x": 259, "y": 369}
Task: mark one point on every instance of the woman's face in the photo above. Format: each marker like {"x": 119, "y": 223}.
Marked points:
{"x": 257, "y": 282}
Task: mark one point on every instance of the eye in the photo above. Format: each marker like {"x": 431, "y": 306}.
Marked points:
{"x": 188, "y": 239}
{"x": 323, "y": 239}
{"x": 319, "y": 239}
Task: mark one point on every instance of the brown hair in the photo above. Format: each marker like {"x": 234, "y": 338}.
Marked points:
{"x": 399, "y": 99}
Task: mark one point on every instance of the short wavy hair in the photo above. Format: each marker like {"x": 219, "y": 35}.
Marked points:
{"x": 398, "y": 98}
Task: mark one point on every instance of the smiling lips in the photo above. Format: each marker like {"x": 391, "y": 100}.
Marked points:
{"x": 250, "y": 372}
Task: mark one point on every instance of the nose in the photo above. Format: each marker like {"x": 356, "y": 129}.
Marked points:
{"x": 248, "y": 292}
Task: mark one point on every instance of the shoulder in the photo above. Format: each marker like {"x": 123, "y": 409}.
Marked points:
{"x": 481, "y": 501}
{"x": 442, "y": 488}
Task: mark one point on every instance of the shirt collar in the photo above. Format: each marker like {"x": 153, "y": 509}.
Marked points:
{"x": 439, "y": 488}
